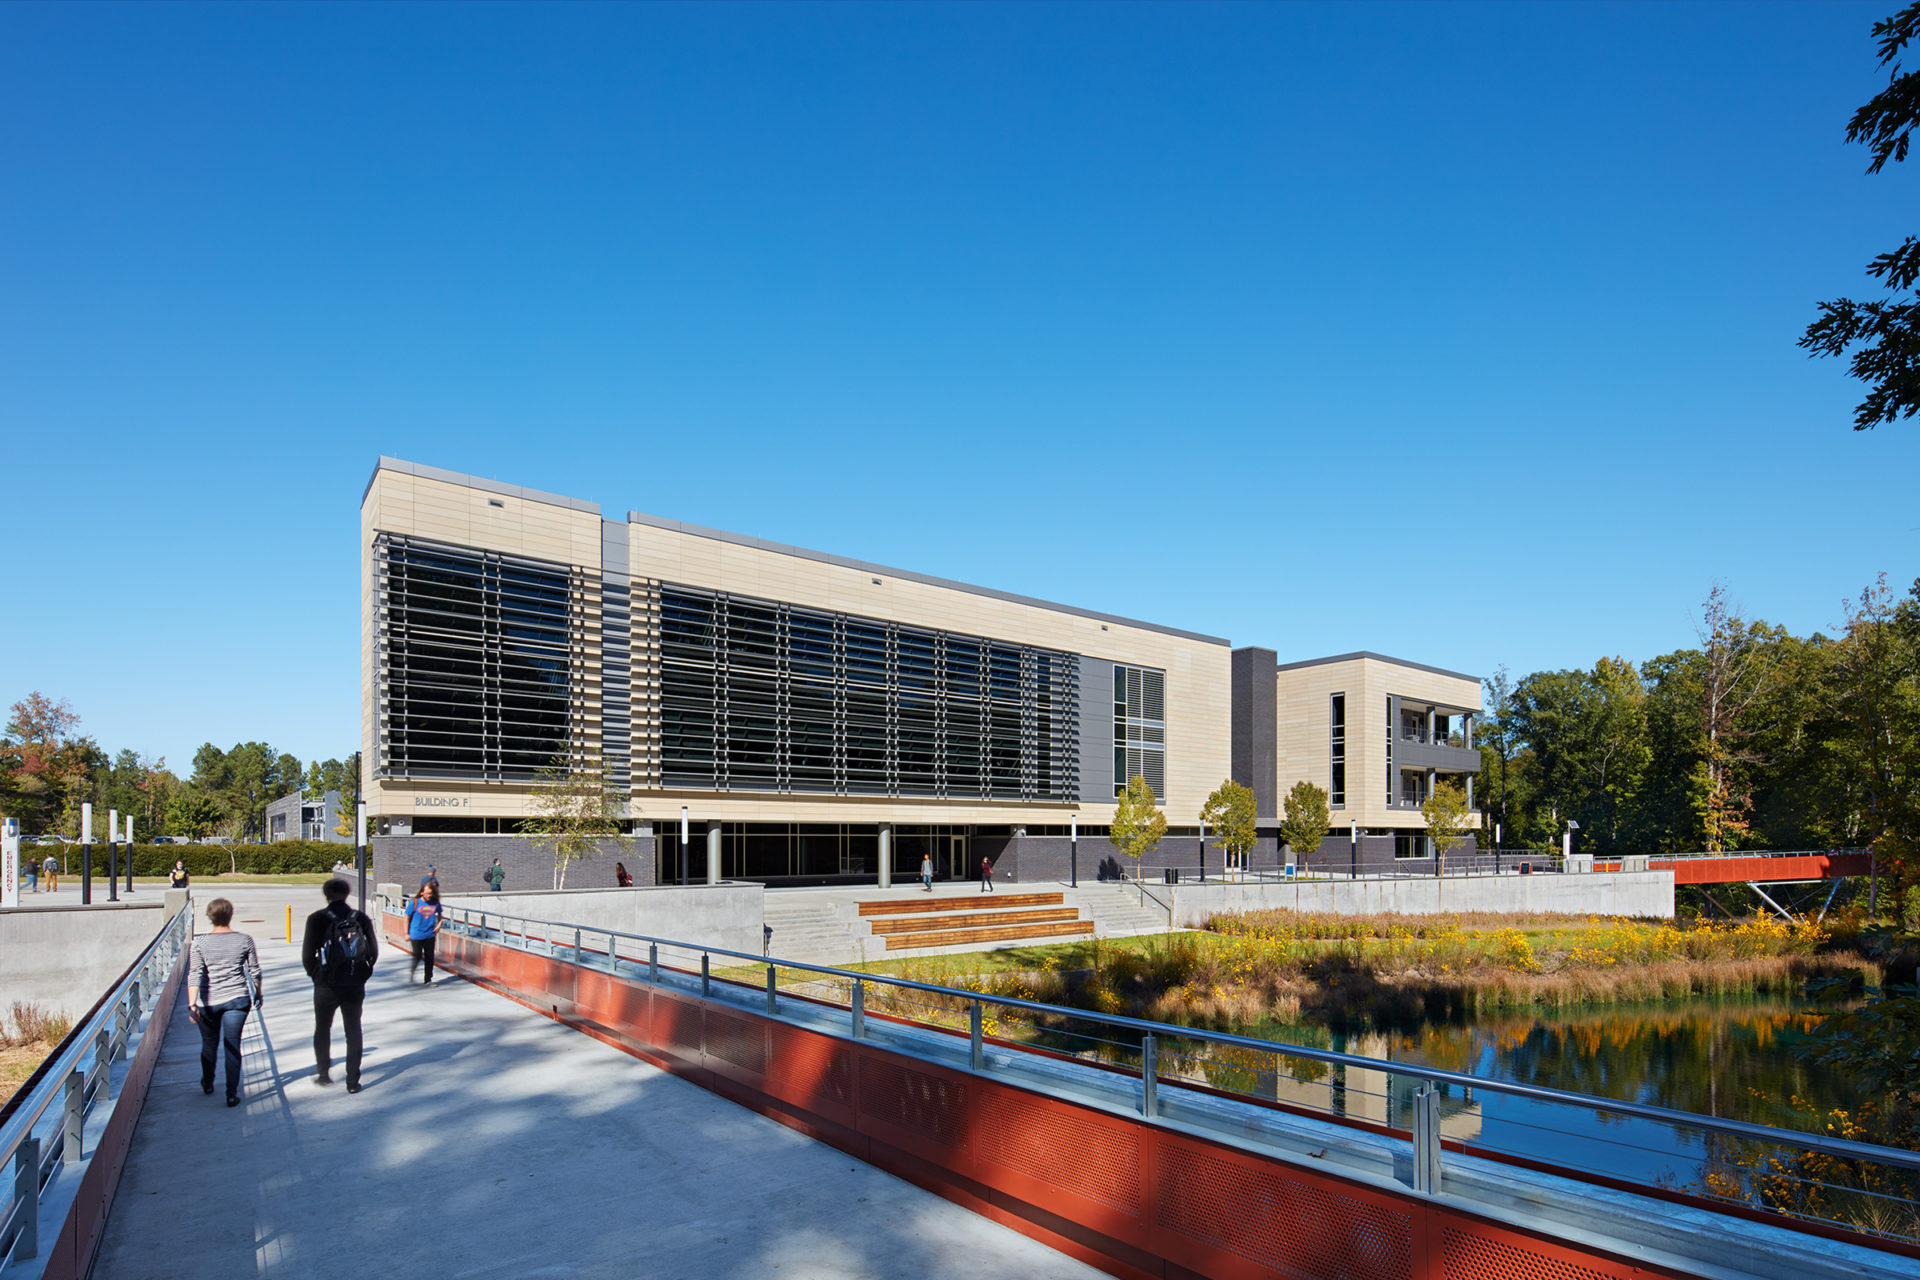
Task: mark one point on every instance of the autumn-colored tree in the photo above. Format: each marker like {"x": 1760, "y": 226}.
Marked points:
{"x": 1305, "y": 820}
{"x": 1448, "y": 820}
{"x": 1138, "y": 824}
{"x": 1232, "y": 814}
{"x": 1739, "y": 672}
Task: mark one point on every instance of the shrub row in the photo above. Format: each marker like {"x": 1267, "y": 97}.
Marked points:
{"x": 283, "y": 857}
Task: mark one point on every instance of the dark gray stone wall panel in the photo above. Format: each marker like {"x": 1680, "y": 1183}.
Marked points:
{"x": 461, "y": 861}
{"x": 1096, "y": 730}
{"x": 1255, "y": 728}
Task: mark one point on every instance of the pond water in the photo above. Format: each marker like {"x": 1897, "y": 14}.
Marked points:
{"x": 1733, "y": 1059}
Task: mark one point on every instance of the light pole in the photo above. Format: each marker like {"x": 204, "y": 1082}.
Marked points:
{"x": 1073, "y": 849}
{"x": 1353, "y": 853}
{"x": 360, "y": 849}
{"x": 113, "y": 855}
{"x": 1566, "y": 843}
{"x": 129, "y": 853}
{"x": 86, "y": 853}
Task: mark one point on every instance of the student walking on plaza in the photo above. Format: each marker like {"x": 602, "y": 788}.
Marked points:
{"x": 52, "y": 867}
{"x": 926, "y": 871}
{"x": 32, "y": 872}
{"x": 431, "y": 878}
{"x": 620, "y": 876}
{"x": 496, "y": 876}
{"x": 178, "y": 877}
{"x": 986, "y": 875}
{"x": 338, "y": 954}
{"x": 223, "y": 986}
{"x": 423, "y": 926}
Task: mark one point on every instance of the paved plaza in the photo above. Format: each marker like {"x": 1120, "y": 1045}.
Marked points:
{"x": 489, "y": 1141}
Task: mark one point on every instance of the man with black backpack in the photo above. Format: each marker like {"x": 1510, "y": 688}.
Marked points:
{"x": 338, "y": 953}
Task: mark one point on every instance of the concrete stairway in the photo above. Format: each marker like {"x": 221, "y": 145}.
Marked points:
{"x": 1115, "y": 909}
{"x": 815, "y": 927}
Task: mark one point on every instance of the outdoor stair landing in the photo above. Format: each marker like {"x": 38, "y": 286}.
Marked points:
{"x": 999, "y": 917}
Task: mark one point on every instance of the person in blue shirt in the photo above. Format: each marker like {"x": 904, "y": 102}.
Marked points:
{"x": 423, "y": 925}
{"x": 429, "y": 879}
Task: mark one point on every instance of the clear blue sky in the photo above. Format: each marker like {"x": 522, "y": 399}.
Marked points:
{"x": 1465, "y": 334}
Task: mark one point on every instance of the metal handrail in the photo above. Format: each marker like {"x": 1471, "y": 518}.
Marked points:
{"x": 1837, "y": 1147}
{"x": 105, "y": 1035}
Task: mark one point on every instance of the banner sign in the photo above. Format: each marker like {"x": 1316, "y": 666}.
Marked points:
{"x": 9, "y": 862}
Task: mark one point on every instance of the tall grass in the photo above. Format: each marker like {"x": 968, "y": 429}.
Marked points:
{"x": 27, "y": 1024}
{"x": 1396, "y": 971}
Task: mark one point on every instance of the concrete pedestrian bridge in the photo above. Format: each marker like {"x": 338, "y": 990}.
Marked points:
{"x": 580, "y": 1102}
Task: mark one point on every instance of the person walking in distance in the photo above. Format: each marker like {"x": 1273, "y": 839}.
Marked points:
{"x": 986, "y": 875}
{"x": 620, "y": 876}
{"x": 31, "y": 870}
{"x": 423, "y": 926}
{"x": 926, "y": 871}
{"x": 496, "y": 876}
{"x": 431, "y": 878}
{"x": 223, "y": 986}
{"x": 338, "y": 953}
{"x": 178, "y": 877}
{"x": 52, "y": 867}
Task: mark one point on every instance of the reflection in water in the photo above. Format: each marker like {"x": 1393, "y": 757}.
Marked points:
{"x": 1728, "y": 1058}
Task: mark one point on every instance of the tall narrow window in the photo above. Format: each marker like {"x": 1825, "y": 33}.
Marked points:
{"x": 1337, "y": 793}
{"x": 1391, "y": 729}
{"x": 1140, "y": 728}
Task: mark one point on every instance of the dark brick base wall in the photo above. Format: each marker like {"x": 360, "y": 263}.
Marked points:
{"x": 461, "y": 862}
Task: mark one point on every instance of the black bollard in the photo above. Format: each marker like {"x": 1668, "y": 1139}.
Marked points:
{"x": 86, "y": 872}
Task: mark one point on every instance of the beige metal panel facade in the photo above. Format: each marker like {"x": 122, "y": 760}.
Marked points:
{"x": 1303, "y": 735}
{"x": 1198, "y": 672}
{"x": 447, "y": 510}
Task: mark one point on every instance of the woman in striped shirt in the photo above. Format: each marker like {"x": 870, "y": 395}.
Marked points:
{"x": 223, "y": 985}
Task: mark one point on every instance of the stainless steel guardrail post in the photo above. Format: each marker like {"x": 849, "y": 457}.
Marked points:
{"x": 706, "y": 978}
{"x": 102, "y": 1064}
{"x": 979, "y": 1056}
{"x": 576, "y": 946}
{"x": 73, "y": 1126}
{"x": 1426, "y": 1140}
{"x": 653, "y": 962}
{"x": 770, "y": 990}
{"x": 859, "y": 1009}
{"x": 1149, "y": 1077}
{"x": 26, "y": 1198}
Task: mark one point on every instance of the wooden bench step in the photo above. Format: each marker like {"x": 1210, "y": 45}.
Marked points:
{"x": 1007, "y": 933}
{"x": 972, "y": 920}
{"x": 917, "y": 905}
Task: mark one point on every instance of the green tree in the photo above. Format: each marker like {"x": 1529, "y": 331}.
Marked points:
{"x": 192, "y": 813}
{"x": 1886, "y": 332}
{"x": 1448, "y": 819}
{"x": 1138, "y": 824}
{"x": 1738, "y": 668}
{"x": 1305, "y": 820}
{"x": 1232, "y": 813}
{"x": 577, "y": 811}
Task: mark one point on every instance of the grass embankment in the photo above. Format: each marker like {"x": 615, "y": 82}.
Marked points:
{"x": 28, "y": 1034}
{"x": 1391, "y": 970}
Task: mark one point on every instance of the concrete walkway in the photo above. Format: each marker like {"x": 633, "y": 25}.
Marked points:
{"x": 489, "y": 1141}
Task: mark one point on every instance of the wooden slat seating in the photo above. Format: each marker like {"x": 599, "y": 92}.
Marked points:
{"x": 959, "y": 921}
{"x": 971, "y": 920}
{"x": 922, "y": 905}
{"x": 1004, "y": 933}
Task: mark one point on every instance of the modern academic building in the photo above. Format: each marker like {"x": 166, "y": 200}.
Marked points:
{"x": 816, "y": 718}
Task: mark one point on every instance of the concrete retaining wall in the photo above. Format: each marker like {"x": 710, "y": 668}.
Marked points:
{"x": 726, "y": 915}
{"x": 1644, "y": 893}
{"x": 64, "y": 958}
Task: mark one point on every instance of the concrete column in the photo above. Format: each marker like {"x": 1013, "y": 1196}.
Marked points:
{"x": 886, "y": 855}
{"x": 1469, "y": 792}
{"x": 713, "y": 851}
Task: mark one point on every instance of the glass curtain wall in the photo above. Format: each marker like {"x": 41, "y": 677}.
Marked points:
{"x": 756, "y": 695}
